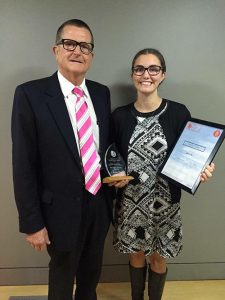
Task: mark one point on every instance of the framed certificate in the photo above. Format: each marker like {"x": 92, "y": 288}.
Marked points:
{"x": 194, "y": 150}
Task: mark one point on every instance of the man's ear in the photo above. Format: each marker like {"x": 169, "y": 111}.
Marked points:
{"x": 55, "y": 49}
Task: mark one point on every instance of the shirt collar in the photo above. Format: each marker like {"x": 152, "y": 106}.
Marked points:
{"x": 67, "y": 86}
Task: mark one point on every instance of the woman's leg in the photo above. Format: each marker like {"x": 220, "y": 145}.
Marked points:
{"x": 157, "y": 276}
{"x": 137, "y": 268}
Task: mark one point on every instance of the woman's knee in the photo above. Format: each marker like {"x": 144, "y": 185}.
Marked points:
{"x": 157, "y": 263}
{"x": 137, "y": 259}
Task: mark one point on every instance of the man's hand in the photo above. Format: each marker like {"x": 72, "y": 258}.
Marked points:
{"x": 207, "y": 173}
{"x": 39, "y": 240}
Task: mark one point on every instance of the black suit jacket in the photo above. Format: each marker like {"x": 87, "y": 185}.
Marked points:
{"x": 47, "y": 172}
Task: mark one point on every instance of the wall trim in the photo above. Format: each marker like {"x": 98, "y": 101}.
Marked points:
{"x": 116, "y": 273}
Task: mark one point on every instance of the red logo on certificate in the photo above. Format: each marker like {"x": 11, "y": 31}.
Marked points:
{"x": 216, "y": 133}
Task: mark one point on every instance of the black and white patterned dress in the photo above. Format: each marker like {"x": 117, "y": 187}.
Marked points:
{"x": 145, "y": 218}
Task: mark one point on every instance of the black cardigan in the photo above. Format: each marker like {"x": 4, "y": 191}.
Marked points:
{"x": 172, "y": 122}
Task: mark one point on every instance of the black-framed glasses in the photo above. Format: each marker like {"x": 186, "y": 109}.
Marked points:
{"x": 70, "y": 45}
{"x": 153, "y": 70}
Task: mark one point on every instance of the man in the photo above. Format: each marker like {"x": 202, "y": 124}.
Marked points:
{"x": 56, "y": 206}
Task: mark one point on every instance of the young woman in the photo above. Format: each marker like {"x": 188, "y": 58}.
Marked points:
{"x": 148, "y": 217}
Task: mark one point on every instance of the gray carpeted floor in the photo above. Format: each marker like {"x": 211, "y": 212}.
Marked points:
{"x": 28, "y": 298}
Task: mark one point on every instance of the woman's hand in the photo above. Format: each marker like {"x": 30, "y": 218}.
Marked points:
{"x": 121, "y": 183}
{"x": 207, "y": 173}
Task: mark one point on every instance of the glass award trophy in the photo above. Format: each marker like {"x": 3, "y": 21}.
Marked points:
{"x": 115, "y": 166}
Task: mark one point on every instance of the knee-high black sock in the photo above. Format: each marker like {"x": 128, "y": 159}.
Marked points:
{"x": 156, "y": 284}
{"x": 137, "y": 278}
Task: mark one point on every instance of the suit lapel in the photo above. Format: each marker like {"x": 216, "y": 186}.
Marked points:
{"x": 57, "y": 106}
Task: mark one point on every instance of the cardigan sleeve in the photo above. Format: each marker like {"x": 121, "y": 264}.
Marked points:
{"x": 123, "y": 124}
{"x": 173, "y": 121}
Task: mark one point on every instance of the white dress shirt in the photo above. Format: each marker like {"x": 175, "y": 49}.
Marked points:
{"x": 70, "y": 100}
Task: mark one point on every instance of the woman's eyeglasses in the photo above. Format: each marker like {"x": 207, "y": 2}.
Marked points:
{"x": 153, "y": 70}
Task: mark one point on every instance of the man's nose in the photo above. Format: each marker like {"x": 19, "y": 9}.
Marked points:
{"x": 77, "y": 50}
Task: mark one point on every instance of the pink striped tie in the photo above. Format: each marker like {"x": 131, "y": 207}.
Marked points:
{"x": 88, "y": 151}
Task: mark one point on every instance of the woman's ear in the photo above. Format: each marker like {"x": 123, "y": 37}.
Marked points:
{"x": 163, "y": 77}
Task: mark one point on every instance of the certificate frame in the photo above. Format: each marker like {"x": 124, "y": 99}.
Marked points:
{"x": 194, "y": 149}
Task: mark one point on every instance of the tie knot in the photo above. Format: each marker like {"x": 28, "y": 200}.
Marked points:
{"x": 78, "y": 91}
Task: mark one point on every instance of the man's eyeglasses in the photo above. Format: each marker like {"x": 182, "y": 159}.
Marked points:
{"x": 70, "y": 45}
{"x": 153, "y": 70}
